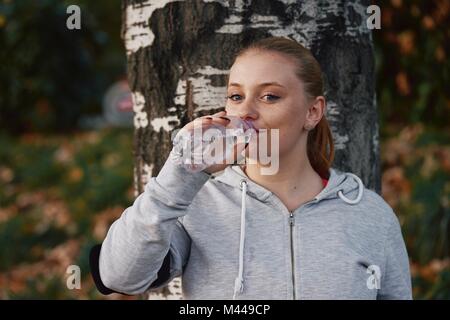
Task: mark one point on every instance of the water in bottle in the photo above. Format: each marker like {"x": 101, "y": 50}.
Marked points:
{"x": 200, "y": 148}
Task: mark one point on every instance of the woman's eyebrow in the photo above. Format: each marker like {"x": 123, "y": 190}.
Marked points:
{"x": 265, "y": 84}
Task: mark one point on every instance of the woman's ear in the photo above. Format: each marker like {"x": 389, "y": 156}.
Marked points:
{"x": 315, "y": 113}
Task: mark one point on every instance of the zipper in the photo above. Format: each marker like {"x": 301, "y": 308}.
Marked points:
{"x": 291, "y": 224}
{"x": 292, "y": 230}
{"x": 291, "y": 233}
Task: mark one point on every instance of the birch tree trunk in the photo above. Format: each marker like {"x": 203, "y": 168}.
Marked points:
{"x": 179, "y": 53}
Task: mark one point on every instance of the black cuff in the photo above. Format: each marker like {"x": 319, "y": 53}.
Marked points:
{"x": 94, "y": 256}
{"x": 163, "y": 273}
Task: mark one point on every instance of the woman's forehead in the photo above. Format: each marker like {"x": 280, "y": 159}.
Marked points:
{"x": 262, "y": 68}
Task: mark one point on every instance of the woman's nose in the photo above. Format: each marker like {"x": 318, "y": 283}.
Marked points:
{"x": 247, "y": 113}
{"x": 248, "y": 116}
{"x": 245, "y": 110}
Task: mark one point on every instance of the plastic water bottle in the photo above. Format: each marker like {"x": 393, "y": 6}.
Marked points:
{"x": 200, "y": 148}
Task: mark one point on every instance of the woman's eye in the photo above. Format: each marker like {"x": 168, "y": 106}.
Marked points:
{"x": 267, "y": 97}
{"x": 271, "y": 97}
{"x": 233, "y": 97}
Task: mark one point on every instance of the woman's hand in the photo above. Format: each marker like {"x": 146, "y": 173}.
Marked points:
{"x": 205, "y": 122}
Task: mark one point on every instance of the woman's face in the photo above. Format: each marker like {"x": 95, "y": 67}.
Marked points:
{"x": 263, "y": 87}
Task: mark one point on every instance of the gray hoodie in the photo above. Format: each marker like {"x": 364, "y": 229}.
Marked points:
{"x": 231, "y": 238}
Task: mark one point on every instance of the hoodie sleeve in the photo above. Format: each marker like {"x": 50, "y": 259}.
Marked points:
{"x": 396, "y": 284}
{"x": 149, "y": 234}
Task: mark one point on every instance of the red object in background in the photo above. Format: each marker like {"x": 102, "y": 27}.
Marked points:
{"x": 125, "y": 104}
{"x": 118, "y": 105}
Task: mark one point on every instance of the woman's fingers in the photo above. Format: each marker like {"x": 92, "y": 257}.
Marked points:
{"x": 199, "y": 122}
{"x": 216, "y": 118}
{"x": 207, "y": 121}
{"x": 215, "y": 115}
{"x": 220, "y": 113}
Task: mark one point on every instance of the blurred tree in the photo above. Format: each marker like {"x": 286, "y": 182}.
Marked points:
{"x": 179, "y": 54}
{"x": 50, "y": 75}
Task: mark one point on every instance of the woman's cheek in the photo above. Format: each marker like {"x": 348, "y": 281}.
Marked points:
{"x": 283, "y": 140}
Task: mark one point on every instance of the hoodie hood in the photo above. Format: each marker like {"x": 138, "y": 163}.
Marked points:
{"x": 339, "y": 185}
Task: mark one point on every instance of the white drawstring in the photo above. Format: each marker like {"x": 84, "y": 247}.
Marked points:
{"x": 360, "y": 191}
{"x": 239, "y": 281}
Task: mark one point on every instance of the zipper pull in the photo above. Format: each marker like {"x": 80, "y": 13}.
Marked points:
{"x": 291, "y": 219}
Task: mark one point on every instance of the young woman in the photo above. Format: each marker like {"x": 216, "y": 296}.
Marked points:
{"x": 306, "y": 232}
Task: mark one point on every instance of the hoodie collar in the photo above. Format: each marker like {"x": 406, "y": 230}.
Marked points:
{"x": 233, "y": 176}
{"x": 339, "y": 185}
